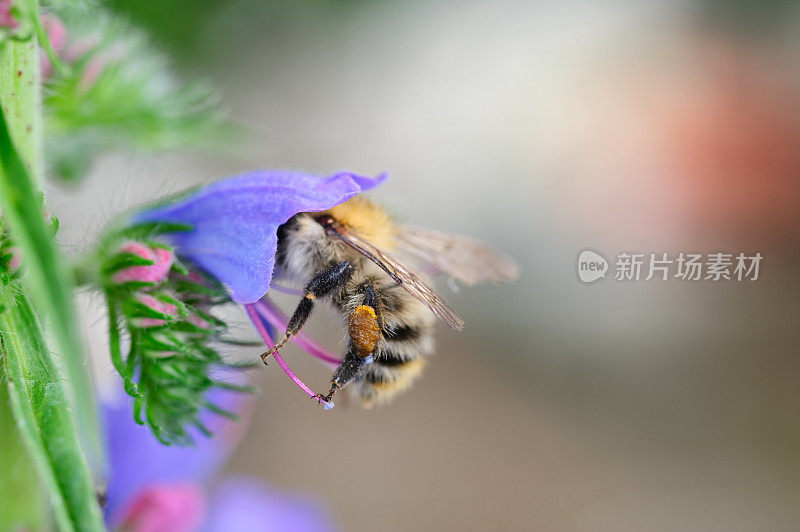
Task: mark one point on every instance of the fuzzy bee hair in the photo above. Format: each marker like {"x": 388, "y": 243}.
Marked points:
{"x": 305, "y": 248}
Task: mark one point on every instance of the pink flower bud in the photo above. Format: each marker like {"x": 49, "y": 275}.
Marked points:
{"x": 165, "y": 508}
{"x": 57, "y": 33}
{"x": 197, "y": 321}
{"x": 153, "y": 273}
{"x": 16, "y": 258}
{"x": 157, "y": 305}
{"x": 93, "y": 71}
{"x": 6, "y": 19}
{"x": 195, "y": 277}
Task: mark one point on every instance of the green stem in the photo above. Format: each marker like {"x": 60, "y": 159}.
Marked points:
{"x": 21, "y": 167}
{"x": 21, "y": 498}
{"x": 21, "y": 99}
{"x": 42, "y": 414}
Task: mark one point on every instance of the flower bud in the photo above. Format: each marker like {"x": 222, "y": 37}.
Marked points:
{"x": 198, "y": 321}
{"x": 177, "y": 507}
{"x": 157, "y": 306}
{"x": 57, "y": 33}
{"x": 15, "y": 262}
{"x": 7, "y": 20}
{"x": 154, "y": 273}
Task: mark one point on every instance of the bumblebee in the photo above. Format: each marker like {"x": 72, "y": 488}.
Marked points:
{"x": 345, "y": 256}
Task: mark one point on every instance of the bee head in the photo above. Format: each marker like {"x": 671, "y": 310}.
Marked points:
{"x": 327, "y": 222}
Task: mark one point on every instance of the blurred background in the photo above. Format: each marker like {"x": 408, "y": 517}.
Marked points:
{"x": 543, "y": 128}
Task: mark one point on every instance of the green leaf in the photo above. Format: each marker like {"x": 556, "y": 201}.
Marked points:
{"x": 42, "y": 411}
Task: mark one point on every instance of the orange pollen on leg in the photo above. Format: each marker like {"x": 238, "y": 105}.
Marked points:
{"x": 364, "y": 330}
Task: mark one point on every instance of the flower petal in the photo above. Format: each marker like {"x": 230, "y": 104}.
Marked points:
{"x": 235, "y": 221}
{"x": 246, "y": 505}
{"x": 165, "y": 508}
{"x": 137, "y": 460}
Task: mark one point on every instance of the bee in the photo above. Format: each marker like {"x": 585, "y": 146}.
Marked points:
{"x": 345, "y": 255}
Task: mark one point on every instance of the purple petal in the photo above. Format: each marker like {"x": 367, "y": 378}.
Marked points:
{"x": 235, "y": 221}
{"x": 138, "y": 460}
{"x": 245, "y": 505}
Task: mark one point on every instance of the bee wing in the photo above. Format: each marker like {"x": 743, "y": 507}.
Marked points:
{"x": 465, "y": 259}
{"x": 412, "y": 283}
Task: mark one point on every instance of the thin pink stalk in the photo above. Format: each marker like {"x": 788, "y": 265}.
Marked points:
{"x": 252, "y": 313}
{"x": 278, "y": 319}
{"x": 285, "y": 290}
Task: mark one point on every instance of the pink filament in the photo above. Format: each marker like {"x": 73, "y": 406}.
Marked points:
{"x": 285, "y": 290}
{"x": 277, "y": 319}
{"x": 259, "y": 325}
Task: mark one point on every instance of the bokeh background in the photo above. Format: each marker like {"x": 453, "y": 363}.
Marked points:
{"x": 544, "y": 128}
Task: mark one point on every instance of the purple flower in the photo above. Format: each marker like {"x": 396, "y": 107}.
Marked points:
{"x": 138, "y": 461}
{"x": 165, "y": 508}
{"x": 234, "y": 222}
{"x": 244, "y": 505}
{"x": 174, "y": 262}
{"x": 227, "y": 231}
{"x": 156, "y": 488}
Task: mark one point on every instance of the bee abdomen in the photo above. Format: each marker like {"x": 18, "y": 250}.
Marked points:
{"x": 398, "y": 364}
{"x": 382, "y": 373}
{"x": 400, "y": 333}
{"x": 381, "y": 382}
{"x": 403, "y": 342}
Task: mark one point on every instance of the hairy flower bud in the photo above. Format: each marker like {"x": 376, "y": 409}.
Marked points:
{"x": 198, "y": 321}
{"x": 15, "y": 261}
{"x": 166, "y": 307}
{"x": 154, "y": 273}
{"x": 7, "y": 20}
{"x": 153, "y": 306}
{"x": 57, "y": 33}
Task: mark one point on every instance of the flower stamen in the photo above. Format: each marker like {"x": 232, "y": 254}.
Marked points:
{"x": 252, "y": 313}
{"x": 272, "y": 314}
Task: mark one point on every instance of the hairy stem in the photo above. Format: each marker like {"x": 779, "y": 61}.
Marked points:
{"x": 21, "y": 498}
{"x": 21, "y": 203}
{"x": 42, "y": 415}
{"x": 43, "y": 402}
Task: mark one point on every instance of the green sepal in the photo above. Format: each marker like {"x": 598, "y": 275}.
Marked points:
{"x": 145, "y": 231}
{"x": 120, "y": 261}
{"x": 227, "y": 414}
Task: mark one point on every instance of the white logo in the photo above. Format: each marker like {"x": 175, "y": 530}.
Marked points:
{"x": 591, "y": 266}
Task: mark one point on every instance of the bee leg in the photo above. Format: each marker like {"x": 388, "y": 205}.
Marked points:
{"x": 346, "y": 372}
{"x": 365, "y": 334}
{"x": 320, "y": 285}
{"x": 371, "y": 300}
